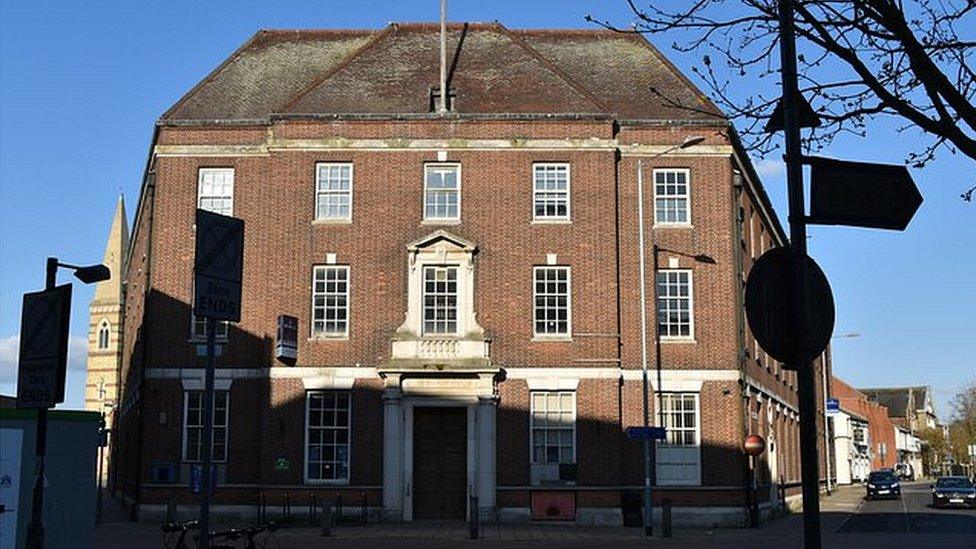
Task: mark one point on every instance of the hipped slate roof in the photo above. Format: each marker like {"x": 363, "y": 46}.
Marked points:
{"x": 492, "y": 69}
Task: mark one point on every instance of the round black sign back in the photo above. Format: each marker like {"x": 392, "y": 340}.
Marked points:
{"x": 771, "y": 307}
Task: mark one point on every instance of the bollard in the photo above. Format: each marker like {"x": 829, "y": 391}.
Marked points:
{"x": 171, "y": 510}
{"x": 310, "y": 517}
{"x": 666, "y": 518}
{"x": 473, "y": 512}
{"x": 338, "y": 509}
{"x": 325, "y": 519}
{"x": 364, "y": 511}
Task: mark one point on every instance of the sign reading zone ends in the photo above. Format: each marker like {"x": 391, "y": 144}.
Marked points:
{"x": 43, "y": 348}
{"x": 218, "y": 266}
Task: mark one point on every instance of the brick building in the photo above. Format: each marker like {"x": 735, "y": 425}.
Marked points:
{"x": 882, "y": 448}
{"x": 465, "y": 282}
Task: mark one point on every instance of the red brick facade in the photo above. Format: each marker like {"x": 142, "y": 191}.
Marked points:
{"x": 881, "y": 429}
{"x": 738, "y": 391}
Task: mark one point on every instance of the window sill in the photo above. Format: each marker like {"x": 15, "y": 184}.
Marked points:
{"x": 553, "y": 221}
{"x": 346, "y": 221}
{"x": 686, "y": 340}
{"x": 344, "y": 337}
{"x": 203, "y": 340}
{"x": 440, "y": 222}
{"x": 673, "y": 226}
{"x": 553, "y": 338}
{"x": 314, "y": 482}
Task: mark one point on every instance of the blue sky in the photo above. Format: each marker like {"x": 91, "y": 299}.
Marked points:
{"x": 81, "y": 84}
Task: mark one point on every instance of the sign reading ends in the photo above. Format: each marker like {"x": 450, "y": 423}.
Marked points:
{"x": 43, "y": 348}
{"x": 218, "y": 266}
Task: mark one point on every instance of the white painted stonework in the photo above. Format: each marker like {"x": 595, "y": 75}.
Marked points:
{"x": 469, "y": 342}
{"x": 405, "y": 391}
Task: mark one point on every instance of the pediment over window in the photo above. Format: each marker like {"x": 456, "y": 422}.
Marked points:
{"x": 444, "y": 244}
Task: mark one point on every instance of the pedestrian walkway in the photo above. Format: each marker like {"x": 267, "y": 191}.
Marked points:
{"x": 786, "y": 533}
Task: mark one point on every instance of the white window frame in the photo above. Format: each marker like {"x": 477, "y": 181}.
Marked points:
{"x": 220, "y": 334}
{"x": 104, "y": 327}
{"x": 225, "y": 426}
{"x": 200, "y": 196}
{"x": 666, "y": 410}
{"x": 319, "y": 192}
{"x": 440, "y": 166}
{"x": 305, "y": 447}
{"x": 691, "y": 306}
{"x": 536, "y": 192}
{"x": 324, "y": 334}
{"x": 457, "y": 300}
{"x": 686, "y": 196}
{"x": 569, "y": 303}
{"x": 664, "y": 446}
{"x": 532, "y": 426}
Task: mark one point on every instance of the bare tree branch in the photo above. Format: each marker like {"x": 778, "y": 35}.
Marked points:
{"x": 858, "y": 59}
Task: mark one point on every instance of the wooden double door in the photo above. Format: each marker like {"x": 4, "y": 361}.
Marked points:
{"x": 440, "y": 463}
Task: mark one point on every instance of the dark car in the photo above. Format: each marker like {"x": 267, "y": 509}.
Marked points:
{"x": 883, "y": 484}
{"x": 953, "y": 491}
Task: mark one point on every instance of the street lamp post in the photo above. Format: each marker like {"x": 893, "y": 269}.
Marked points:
{"x": 699, "y": 258}
{"x": 688, "y": 142}
{"x": 824, "y": 359}
{"x": 88, "y": 275}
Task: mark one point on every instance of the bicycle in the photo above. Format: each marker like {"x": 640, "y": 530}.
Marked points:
{"x": 182, "y": 528}
{"x": 248, "y": 534}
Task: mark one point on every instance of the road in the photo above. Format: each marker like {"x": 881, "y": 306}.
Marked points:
{"x": 911, "y": 514}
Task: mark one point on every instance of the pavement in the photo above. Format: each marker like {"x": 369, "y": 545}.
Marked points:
{"x": 849, "y": 521}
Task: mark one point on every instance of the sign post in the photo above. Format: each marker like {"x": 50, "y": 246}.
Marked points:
{"x": 42, "y": 361}
{"x": 218, "y": 268}
{"x": 806, "y": 378}
{"x": 847, "y": 193}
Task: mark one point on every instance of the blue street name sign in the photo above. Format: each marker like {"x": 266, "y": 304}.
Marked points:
{"x": 833, "y": 406}
{"x": 654, "y": 433}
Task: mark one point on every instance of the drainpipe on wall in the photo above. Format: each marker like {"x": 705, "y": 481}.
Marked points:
{"x": 737, "y": 189}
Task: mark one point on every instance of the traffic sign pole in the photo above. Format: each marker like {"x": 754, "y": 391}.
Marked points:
{"x": 208, "y": 405}
{"x": 798, "y": 245}
{"x": 648, "y": 512}
{"x": 217, "y": 271}
{"x": 35, "y": 537}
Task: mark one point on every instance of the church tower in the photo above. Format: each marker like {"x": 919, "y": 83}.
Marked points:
{"x": 105, "y": 323}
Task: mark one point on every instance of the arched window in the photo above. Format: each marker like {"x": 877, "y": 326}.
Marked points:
{"x": 103, "y": 334}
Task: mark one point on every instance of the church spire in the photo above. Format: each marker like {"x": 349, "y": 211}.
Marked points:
{"x": 110, "y": 291}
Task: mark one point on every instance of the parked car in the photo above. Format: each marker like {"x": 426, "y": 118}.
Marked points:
{"x": 905, "y": 471}
{"x": 883, "y": 484}
{"x": 953, "y": 491}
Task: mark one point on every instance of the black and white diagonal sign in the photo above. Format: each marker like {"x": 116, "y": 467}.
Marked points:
{"x": 43, "y": 355}
{"x": 218, "y": 266}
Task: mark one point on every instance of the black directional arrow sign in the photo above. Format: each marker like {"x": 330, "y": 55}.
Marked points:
{"x": 861, "y": 194}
